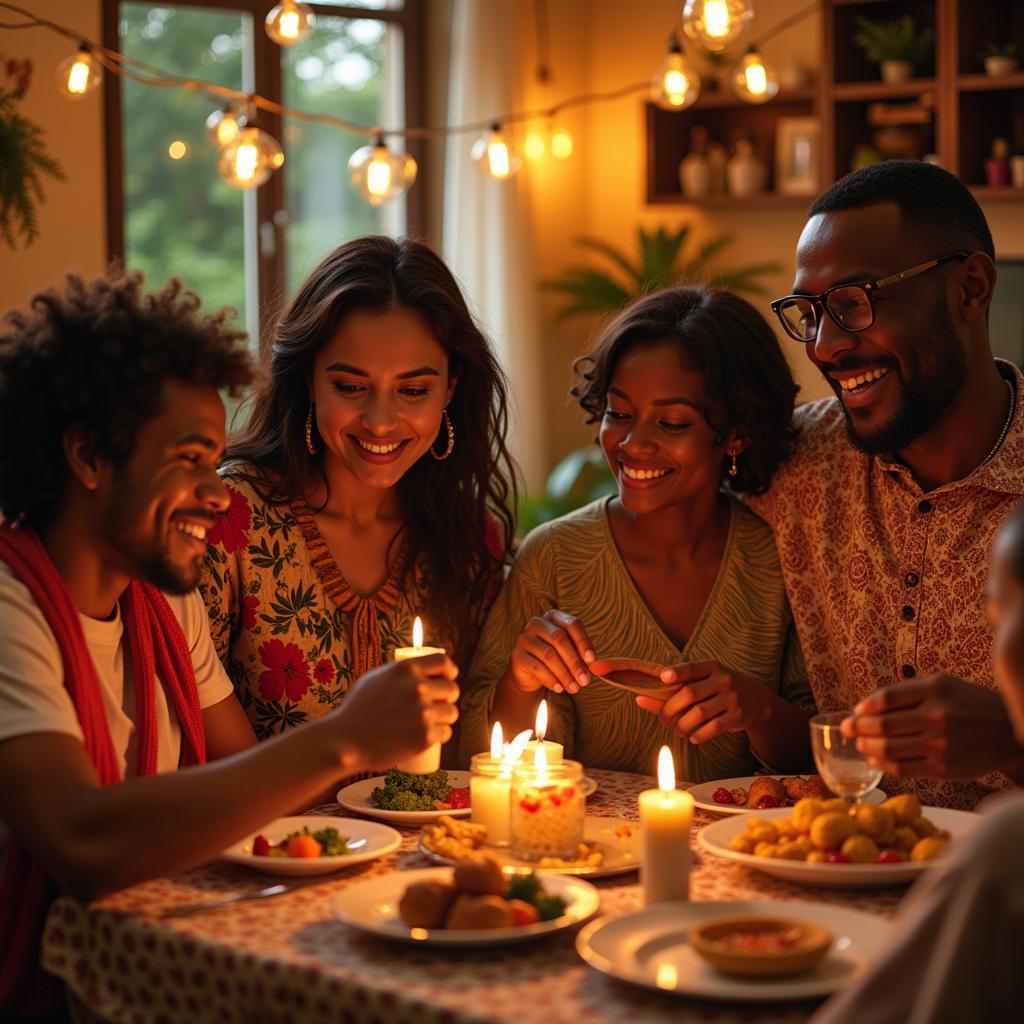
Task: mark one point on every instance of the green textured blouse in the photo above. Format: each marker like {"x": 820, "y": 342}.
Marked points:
{"x": 573, "y": 564}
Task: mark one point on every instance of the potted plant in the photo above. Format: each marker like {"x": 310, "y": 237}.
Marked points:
{"x": 897, "y": 46}
{"x": 1000, "y": 58}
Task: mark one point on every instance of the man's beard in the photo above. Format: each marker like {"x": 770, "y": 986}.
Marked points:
{"x": 924, "y": 400}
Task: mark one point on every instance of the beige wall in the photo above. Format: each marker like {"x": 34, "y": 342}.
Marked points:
{"x": 72, "y": 220}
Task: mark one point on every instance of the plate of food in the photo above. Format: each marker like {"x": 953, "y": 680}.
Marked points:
{"x": 611, "y": 846}
{"x": 824, "y": 842}
{"x": 750, "y": 793}
{"x": 656, "y": 947}
{"x": 312, "y": 844}
{"x": 474, "y": 903}
{"x": 406, "y": 799}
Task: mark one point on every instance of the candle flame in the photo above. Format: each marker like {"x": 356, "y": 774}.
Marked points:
{"x": 514, "y": 751}
{"x": 497, "y": 740}
{"x": 541, "y": 726}
{"x": 666, "y": 771}
{"x": 417, "y": 632}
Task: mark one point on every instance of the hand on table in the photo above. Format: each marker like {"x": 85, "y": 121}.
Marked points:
{"x": 937, "y": 726}
{"x": 400, "y": 709}
{"x": 553, "y": 653}
{"x": 711, "y": 700}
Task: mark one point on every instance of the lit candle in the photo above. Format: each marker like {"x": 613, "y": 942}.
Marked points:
{"x": 490, "y": 784}
{"x": 428, "y": 760}
{"x": 665, "y": 814}
{"x": 552, "y": 750}
{"x": 547, "y": 809}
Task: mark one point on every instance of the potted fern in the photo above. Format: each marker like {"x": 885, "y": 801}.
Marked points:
{"x": 897, "y": 46}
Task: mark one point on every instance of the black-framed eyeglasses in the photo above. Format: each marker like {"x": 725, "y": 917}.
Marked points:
{"x": 849, "y": 305}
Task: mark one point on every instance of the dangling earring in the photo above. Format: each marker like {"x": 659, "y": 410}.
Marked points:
{"x": 310, "y": 446}
{"x": 733, "y": 470}
{"x": 451, "y": 438}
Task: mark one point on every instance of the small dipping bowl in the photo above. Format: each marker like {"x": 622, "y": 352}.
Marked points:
{"x": 807, "y": 945}
{"x": 634, "y": 675}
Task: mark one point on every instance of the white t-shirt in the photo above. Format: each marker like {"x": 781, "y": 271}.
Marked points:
{"x": 32, "y": 694}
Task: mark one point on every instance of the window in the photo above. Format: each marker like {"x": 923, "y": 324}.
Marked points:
{"x": 171, "y": 214}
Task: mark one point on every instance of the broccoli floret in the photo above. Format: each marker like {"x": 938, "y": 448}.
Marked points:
{"x": 434, "y": 785}
{"x": 407, "y": 801}
{"x": 404, "y": 792}
{"x": 549, "y": 907}
{"x": 523, "y": 887}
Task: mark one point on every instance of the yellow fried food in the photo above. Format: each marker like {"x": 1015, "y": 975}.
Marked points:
{"x": 790, "y": 851}
{"x": 742, "y": 843}
{"x": 905, "y": 838}
{"x": 927, "y": 849}
{"x": 923, "y": 827}
{"x": 805, "y": 812}
{"x": 453, "y": 839}
{"x": 765, "y": 850}
{"x": 426, "y": 904}
{"x": 861, "y": 849}
{"x": 830, "y": 831}
{"x": 481, "y": 876}
{"x": 875, "y": 821}
{"x": 479, "y": 912}
{"x": 762, "y": 831}
{"x": 815, "y": 857}
{"x": 906, "y": 808}
{"x": 785, "y": 828}
{"x": 837, "y": 805}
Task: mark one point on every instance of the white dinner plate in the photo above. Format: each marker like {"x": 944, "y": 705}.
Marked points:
{"x": 650, "y": 948}
{"x": 367, "y": 841}
{"x": 715, "y": 839}
{"x": 372, "y": 906}
{"x": 701, "y": 794}
{"x": 621, "y": 853}
{"x": 356, "y": 797}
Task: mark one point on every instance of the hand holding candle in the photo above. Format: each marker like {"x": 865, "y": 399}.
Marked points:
{"x": 665, "y": 814}
{"x": 428, "y": 760}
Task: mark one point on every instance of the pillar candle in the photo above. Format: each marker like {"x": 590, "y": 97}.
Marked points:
{"x": 665, "y": 816}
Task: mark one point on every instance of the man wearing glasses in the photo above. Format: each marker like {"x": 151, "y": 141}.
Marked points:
{"x": 885, "y": 516}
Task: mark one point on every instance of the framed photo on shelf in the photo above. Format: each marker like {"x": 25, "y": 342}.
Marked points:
{"x": 797, "y": 156}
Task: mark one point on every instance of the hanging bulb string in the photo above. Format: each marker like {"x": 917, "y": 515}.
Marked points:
{"x": 123, "y": 66}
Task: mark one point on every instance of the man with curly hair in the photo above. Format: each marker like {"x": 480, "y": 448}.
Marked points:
{"x": 111, "y": 432}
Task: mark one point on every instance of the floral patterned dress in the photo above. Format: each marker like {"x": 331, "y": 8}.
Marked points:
{"x": 291, "y": 632}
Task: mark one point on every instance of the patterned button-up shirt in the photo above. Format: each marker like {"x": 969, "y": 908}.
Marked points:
{"x": 886, "y": 581}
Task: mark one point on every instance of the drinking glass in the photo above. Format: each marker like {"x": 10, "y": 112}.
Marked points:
{"x": 844, "y": 768}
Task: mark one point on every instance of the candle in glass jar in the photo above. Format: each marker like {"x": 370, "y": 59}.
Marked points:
{"x": 665, "y": 814}
{"x": 547, "y": 809}
{"x": 428, "y": 760}
{"x": 490, "y": 784}
{"x": 552, "y": 751}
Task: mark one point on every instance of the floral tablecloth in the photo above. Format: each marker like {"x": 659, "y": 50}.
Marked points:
{"x": 288, "y": 959}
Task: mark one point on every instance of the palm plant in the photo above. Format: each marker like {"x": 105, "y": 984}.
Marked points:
{"x": 898, "y": 39}
{"x": 659, "y": 263}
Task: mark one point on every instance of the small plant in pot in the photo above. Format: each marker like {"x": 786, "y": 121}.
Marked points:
{"x": 897, "y": 46}
{"x": 1000, "y": 58}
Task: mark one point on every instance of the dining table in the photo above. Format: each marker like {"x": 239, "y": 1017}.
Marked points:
{"x": 289, "y": 959}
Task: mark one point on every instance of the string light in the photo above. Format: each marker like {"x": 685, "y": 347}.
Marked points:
{"x": 379, "y": 175}
{"x": 716, "y": 23}
{"x": 753, "y": 80}
{"x": 177, "y": 150}
{"x": 493, "y": 153}
{"x": 222, "y": 126}
{"x": 289, "y": 22}
{"x": 79, "y": 74}
{"x": 534, "y": 146}
{"x": 558, "y": 141}
{"x": 675, "y": 85}
{"x": 249, "y": 160}
{"x": 562, "y": 144}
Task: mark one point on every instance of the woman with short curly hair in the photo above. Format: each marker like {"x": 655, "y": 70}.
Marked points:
{"x": 694, "y": 400}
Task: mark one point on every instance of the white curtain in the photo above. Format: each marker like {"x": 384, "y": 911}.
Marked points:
{"x": 486, "y": 225}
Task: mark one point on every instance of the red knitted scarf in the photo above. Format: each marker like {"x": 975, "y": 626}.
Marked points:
{"x": 156, "y": 644}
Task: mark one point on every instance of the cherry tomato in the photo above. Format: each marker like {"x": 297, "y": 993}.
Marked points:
{"x": 261, "y": 846}
{"x": 722, "y": 796}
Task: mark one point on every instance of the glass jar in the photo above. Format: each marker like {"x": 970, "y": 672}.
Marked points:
{"x": 547, "y": 811}
{"x": 490, "y": 790}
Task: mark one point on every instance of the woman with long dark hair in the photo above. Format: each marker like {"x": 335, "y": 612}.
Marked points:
{"x": 371, "y": 483}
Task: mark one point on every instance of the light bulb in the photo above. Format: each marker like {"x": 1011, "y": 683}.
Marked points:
{"x": 249, "y": 160}
{"x": 379, "y": 175}
{"x": 562, "y": 145}
{"x": 493, "y": 153}
{"x": 534, "y": 146}
{"x": 753, "y": 81}
{"x": 177, "y": 150}
{"x": 79, "y": 74}
{"x": 716, "y": 23}
{"x": 289, "y": 22}
{"x": 222, "y": 126}
{"x": 675, "y": 85}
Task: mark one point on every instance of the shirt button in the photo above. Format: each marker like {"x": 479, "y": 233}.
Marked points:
{"x": 908, "y": 613}
{"x": 908, "y": 671}
{"x": 924, "y": 505}
{"x": 911, "y": 579}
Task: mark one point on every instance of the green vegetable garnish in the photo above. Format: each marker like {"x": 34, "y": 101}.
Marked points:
{"x": 332, "y": 842}
{"x": 405, "y": 792}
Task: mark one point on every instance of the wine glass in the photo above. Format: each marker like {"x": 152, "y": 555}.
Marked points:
{"x": 844, "y": 768}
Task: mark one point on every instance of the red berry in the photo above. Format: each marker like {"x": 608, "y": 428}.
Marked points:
{"x": 836, "y": 857}
{"x": 889, "y": 857}
{"x": 722, "y": 796}
{"x": 261, "y": 846}
{"x": 766, "y": 803}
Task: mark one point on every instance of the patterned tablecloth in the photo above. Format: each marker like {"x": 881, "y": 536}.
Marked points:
{"x": 289, "y": 959}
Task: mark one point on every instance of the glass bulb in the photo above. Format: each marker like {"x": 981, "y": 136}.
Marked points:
{"x": 379, "y": 175}
{"x": 222, "y": 126}
{"x": 716, "y": 23}
{"x": 289, "y": 22}
{"x": 249, "y": 160}
{"x": 493, "y": 153}
{"x": 675, "y": 85}
{"x": 79, "y": 74}
{"x": 562, "y": 144}
{"x": 753, "y": 81}
{"x": 534, "y": 146}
